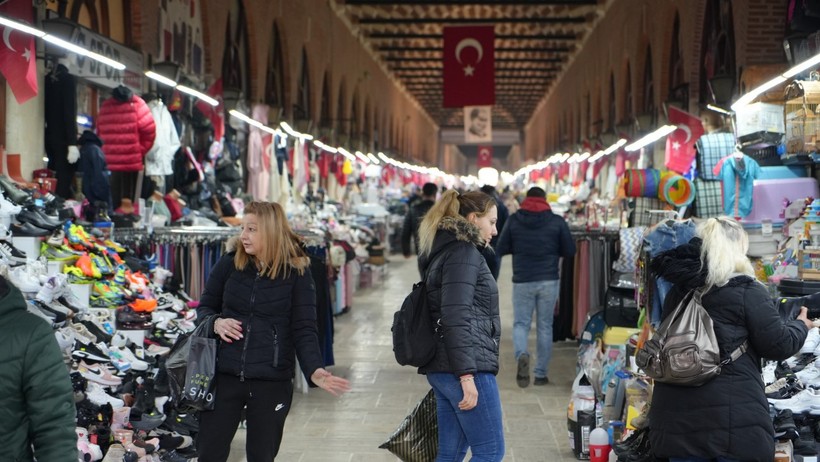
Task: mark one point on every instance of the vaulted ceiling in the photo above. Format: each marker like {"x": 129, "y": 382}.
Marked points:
{"x": 534, "y": 40}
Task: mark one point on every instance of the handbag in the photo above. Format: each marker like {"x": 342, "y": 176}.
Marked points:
{"x": 191, "y": 368}
{"x": 416, "y": 439}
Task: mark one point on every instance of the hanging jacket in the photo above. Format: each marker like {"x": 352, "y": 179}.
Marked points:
{"x": 37, "y": 413}
{"x": 463, "y": 299}
{"x": 278, "y": 319}
{"x": 537, "y": 239}
{"x": 738, "y": 176}
{"x": 96, "y": 185}
{"x": 159, "y": 159}
{"x": 729, "y": 415}
{"x": 60, "y": 115}
{"x": 127, "y": 128}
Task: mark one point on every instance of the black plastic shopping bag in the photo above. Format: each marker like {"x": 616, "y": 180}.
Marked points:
{"x": 191, "y": 368}
{"x": 416, "y": 439}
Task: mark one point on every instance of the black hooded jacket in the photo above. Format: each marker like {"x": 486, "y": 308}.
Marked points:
{"x": 729, "y": 415}
{"x": 463, "y": 295}
{"x": 278, "y": 321}
{"x": 96, "y": 185}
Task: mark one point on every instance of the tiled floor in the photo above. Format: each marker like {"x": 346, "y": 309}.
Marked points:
{"x": 350, "y": 429}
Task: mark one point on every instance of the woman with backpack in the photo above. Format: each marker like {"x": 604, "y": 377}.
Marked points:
{"x": 463, "y": 301}
{"x": 727, "y": 418}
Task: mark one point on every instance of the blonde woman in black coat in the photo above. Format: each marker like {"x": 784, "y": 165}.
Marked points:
{"x": 463, "y": 299}
{"x": 726, "y": 419}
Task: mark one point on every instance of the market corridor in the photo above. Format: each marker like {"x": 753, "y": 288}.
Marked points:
{"x": 350, "y": 429}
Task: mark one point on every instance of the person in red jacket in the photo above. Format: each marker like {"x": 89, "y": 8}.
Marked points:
{"x": 127, "y": 129}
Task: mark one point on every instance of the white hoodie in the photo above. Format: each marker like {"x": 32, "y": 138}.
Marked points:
{"x": 159, "y": 160}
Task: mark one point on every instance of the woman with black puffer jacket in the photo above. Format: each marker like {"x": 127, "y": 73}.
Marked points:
{"x": 463, "y": 300}
{"x": 264, "y": 301}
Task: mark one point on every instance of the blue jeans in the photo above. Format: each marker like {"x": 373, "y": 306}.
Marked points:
{"x": 479, "y": 429}
{"x": 539, "y": 296}
{"x": 700, "y": 459}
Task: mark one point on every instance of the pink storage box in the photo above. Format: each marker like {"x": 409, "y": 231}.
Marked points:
{"x": 769, "y": 195}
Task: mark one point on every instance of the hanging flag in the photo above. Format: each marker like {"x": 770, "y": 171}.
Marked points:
{"x": 17, "y": 60}
{"x": 680, "y": 144}
{"x": 469, "y": 66}
{"x": 478, "y": 124}
{"x": 485, "y": 156}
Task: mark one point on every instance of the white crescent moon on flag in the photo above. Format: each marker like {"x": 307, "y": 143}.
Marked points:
{"x": 469, "y": 43}
{"x": 6, "y": 36}
{"x": 484, "y": 152}
{"x": 688, "y": 131}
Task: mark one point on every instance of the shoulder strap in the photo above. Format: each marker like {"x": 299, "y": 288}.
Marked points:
{"x": 739, "y": 351}
{"x": 433, "y": 258}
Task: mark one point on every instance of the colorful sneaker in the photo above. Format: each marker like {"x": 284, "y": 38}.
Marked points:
{"x": 87, "y": 265}
{"x": 127, "y": 355}
{"x": 113, "y": 246}
{"x": 104, "y": 268}
{"x": 56, "y": 253}
{"x": 119, "y": 276}
{"x": 89, "y": 352}
{"x": 103, "y": 290}
{"x": 57, "y": 238}
{"x": 143, "y": 305}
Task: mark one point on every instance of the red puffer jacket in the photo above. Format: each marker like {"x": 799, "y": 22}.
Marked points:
{"x": 126, "y": 126}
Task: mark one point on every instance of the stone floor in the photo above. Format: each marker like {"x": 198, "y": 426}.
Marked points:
{"x": 350, "y": 428}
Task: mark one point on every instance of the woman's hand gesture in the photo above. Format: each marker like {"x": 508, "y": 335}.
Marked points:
{"x": 329, "y": 382}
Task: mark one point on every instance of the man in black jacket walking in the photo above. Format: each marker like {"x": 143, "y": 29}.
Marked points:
{"x": 537, "y": 239}
{"x": 491, "y": 254}
{"x": 413, "y": 219}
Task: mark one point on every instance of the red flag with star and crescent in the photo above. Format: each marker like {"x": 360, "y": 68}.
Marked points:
{"x": 469, "y": 66}
{"x": 485, "y": 156}
{"x": 680, "y": 144}
{"x": 17, "y": 60}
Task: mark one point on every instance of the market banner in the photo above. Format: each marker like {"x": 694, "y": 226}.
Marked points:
{"x": 469, "y": 66}
{"x": 478, "y": 124}
{"x": 17, "y": 60}
{"x": 680, "y": 144}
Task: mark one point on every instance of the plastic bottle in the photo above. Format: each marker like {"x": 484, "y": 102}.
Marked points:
{"x": 599, "y": 445}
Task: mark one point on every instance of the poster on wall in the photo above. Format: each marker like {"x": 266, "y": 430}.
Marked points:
{"x": 478, "y": 124}
{"x": 181, "y": 35}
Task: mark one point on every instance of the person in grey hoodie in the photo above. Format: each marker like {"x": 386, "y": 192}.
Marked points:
{"x": 537, "y": 239}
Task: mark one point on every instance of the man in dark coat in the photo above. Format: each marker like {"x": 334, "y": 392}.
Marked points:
{"x": 414, "y": 217}
{"x": 491, "y": 251}
{"x": 537, "y": 239}
{"x": 36, "y": 397}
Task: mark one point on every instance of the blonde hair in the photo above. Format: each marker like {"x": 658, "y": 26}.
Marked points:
{"x": 451, "y": 204}
{"x": 723, "y": 251}
{"x": 281, "y": 250}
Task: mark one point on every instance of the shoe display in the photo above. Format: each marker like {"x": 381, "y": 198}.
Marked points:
{"x": 27, "y": 229}
{"x": 12, "y": 191}
{"x": 99, "y": 375}
{"x": 98, "y": 396}
{"x": 784, "y": 426}
{"x": 53, "y": 253}
{"x": 38, "y": 219}
{"x": 127, "y": 355}
{"x": 89, "y": 353}
{"x": 10, "y": 252}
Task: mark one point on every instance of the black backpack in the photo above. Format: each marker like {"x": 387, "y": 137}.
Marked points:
{"x": 414, "y": 335}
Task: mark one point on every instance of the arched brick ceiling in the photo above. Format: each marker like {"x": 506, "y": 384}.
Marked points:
{"x": 534, "y": 39}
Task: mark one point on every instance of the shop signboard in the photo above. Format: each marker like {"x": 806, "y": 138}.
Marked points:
{"x": 93, "y": 71}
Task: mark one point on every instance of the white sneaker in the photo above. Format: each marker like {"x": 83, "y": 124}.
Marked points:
{"x": 49, "y": 290}
{"x": 160, "y": 316}
{"x": 801, "y": 402}
{"x": 21, "y": 278}
{"x": 119, "y": 340}
{"x": 768, "y": 372}
{"x": 8, "y": 209}
{"x": 65, "y": 338}
{"x": 98, "y": 374}
{"x": 812, "y": 340}
{"x": 157, "y": 350}
{"x": 126, "y": 354}
{"x": 808, "y": 374}
{"x": 95, "y": 393}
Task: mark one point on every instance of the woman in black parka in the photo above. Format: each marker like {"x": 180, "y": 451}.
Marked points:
{"x": 265, "y": 303}
{"x": 727, "y": 418}
{"x": 463, "y": 299}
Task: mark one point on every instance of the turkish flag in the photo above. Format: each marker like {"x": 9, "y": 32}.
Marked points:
{"x": 485, "y": 156}
{"x": 469, "y": 66}
{"x": 17, "y": 60}
{"x": 680, "y": 144}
